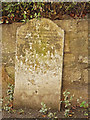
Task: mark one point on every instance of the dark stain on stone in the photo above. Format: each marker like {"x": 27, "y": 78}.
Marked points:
{"x": 27, "y": 44}
{"x": 36, "y": 91}
{"x": 57, "y": 46}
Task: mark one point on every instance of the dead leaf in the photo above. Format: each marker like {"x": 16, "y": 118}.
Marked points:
{"x": 44, "y": 116}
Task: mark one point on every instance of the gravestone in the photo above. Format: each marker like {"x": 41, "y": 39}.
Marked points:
{"x": 38, "y": 64}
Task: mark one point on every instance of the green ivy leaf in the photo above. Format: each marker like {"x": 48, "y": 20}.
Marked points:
{"x": 24, "y": 16}
{"x": 31, "y": 16}
{"x": 23, "y": 20}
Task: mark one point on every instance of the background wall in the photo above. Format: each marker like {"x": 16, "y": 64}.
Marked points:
{"x": 75, "y": 71}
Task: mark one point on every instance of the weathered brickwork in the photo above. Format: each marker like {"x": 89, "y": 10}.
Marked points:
{"x": 75, "y": 73}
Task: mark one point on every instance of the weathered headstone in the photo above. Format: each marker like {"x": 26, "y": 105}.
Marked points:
{"x": 38, "y": 65}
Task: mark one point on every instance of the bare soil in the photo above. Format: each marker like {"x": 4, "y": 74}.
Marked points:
{"x": 30, "y": 113}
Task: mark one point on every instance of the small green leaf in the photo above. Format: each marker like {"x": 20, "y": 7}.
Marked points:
{"x": 24, "y": 16}
{"x": 1, "y": 22}
{"x": 83, "y": 104}
{"x": 23, "y": 20}
{"x": 27, "y": 20}
{"x": 35, "y": 14}
{"x": 71, "y": 97}
{"x": 31, "y": 16}
{"x": 7, "y": 21}
{"x": 40, "y": 111}
{"x": 86, "y": 114}
{"x": 60, "y": 7}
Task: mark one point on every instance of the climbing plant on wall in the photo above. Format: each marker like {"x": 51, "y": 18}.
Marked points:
{"x": 23, "y": 11}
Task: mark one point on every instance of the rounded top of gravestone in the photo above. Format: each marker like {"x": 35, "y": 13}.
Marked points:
{"x": 44, "y": 22}
{"x": 40, "y": 25}
{"x": 41, "y": 33}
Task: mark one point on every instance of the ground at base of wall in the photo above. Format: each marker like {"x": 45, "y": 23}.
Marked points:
{"x": 29, "y": 113}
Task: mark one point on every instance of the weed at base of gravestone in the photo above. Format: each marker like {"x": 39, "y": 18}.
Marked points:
{"x": 21, "y": 111}
{"x": 9, "y": 105}
{"x": 68, "y": 105}
{"x": 67, "y": 101}
{"x": 44, "y": 110}
{"x": 84, "y": 105}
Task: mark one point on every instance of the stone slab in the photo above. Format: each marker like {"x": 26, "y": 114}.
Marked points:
{"x": 38, "y": 64}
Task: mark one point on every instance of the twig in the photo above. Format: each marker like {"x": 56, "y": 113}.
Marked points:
{"x": 83, "y": 9}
